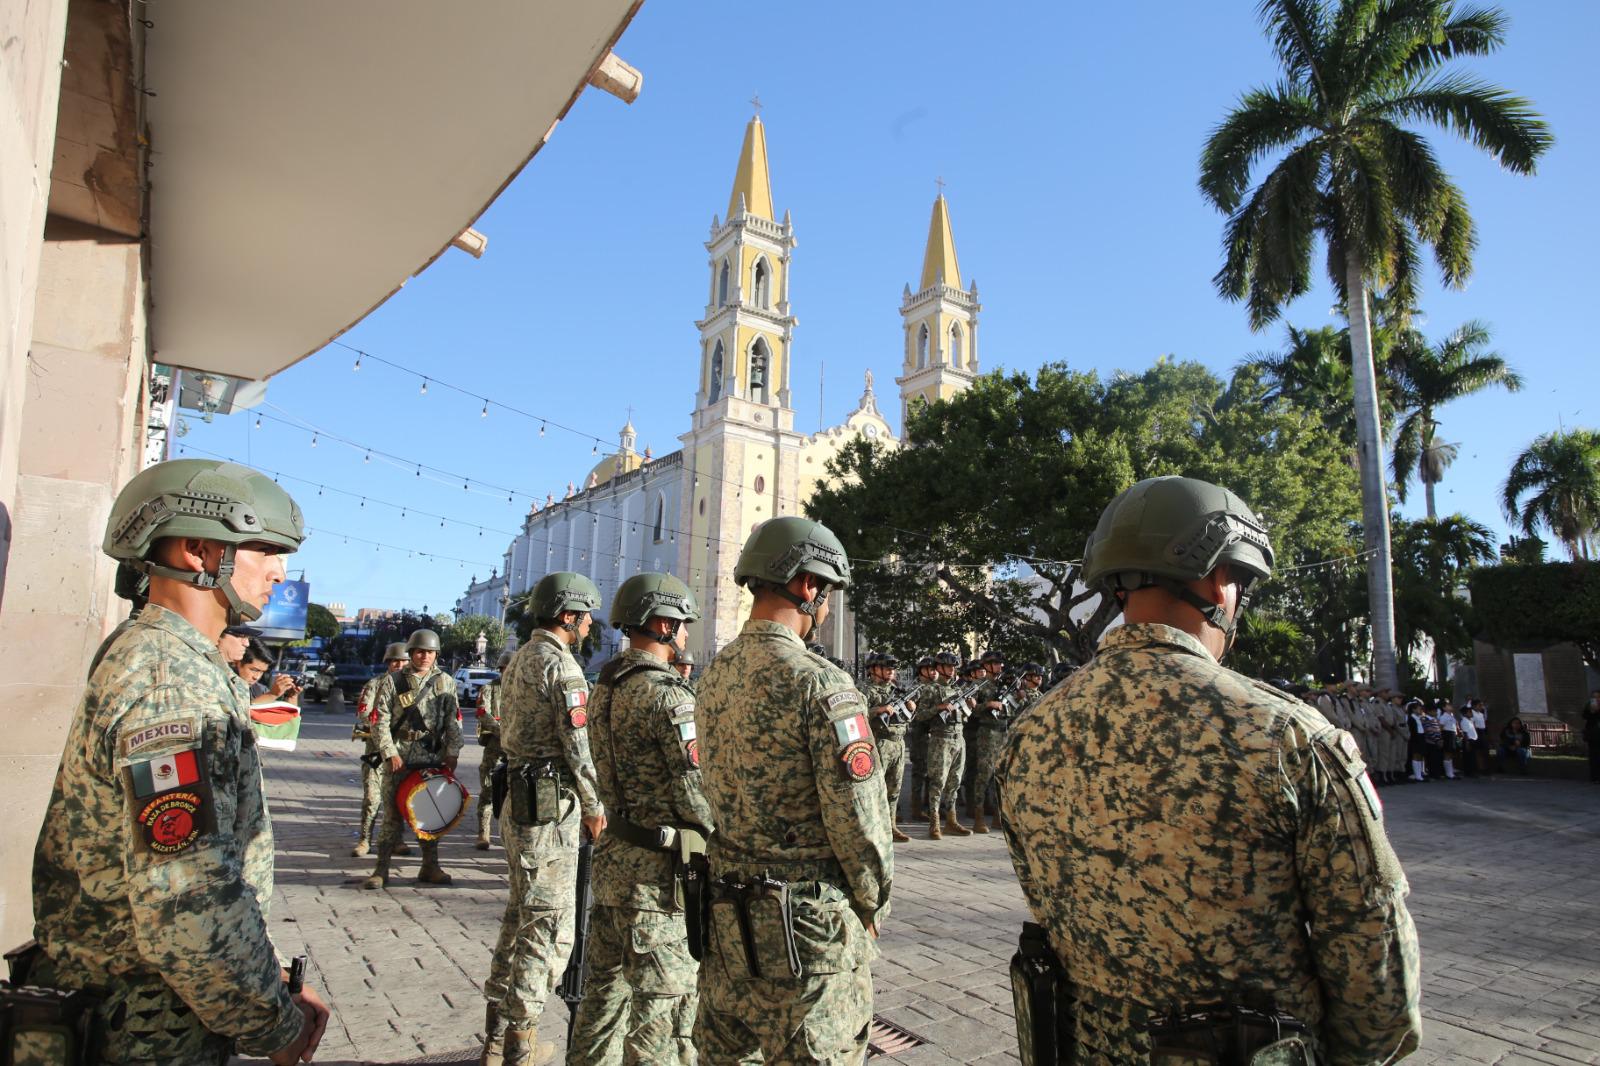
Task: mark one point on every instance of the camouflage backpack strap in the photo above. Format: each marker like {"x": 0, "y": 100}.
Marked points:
{"x": 612, "y": 675}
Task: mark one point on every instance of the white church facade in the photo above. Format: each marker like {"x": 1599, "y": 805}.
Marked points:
{"x": 742, "y": 461}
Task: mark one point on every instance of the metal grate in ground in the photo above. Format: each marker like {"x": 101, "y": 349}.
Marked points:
{"x": 886, "y": 1039}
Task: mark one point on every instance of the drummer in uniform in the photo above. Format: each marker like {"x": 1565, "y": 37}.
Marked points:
{"x": 489, "y": 738}
{"x": 394, "y": 657}
{"x": 419, "y": 725}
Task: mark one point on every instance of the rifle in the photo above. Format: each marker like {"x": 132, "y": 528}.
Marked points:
{"x": 958, "y": 702}
{"x": 571, "y": 988}
{"x": 898, "y": 714}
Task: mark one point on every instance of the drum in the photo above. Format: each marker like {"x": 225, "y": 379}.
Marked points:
{"x": 431, "y": 801}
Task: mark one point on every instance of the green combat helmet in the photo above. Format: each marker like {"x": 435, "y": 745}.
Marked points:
{"x": 422, "y": 640}
{"x": 208, "y": 499}
{"x": 684, "y": 658}
{"x": 1168, "y": 531}
{"x": 646, "y": 596}
{"x": 780, "y": 548}
{"x": 563, "y": 590}
{"x": 394, "y": 651}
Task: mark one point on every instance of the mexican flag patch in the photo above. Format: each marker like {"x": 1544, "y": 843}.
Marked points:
{"x": 164, "y": 773}
{"x": 847, "y": 730}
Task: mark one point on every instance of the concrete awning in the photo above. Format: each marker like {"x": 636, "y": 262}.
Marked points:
{"x": 310, "y": 157}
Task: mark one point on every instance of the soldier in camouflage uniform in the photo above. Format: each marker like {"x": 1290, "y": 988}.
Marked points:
{"x": 879, "y": 692}
{"x": 947, "y": 748}
{"x": 489, "y": 738}
{"x": 992, "y": 718}
{"x": 419, "y": 725}
{"x": 639, "y": 999}
{"x": 394, "y": 658}
{"x": 927, "y": 683}
{"x": 154, "y": 865}
{"x": 683, "y": 663}
{"x": 1030, "y": 691}
{"x": 544, "y": 719}
{"x": 1191, "y": 839}
{"x": 793, "y": 777}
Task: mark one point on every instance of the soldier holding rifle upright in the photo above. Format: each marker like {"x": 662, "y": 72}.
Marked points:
{"x": 889, "y": 728}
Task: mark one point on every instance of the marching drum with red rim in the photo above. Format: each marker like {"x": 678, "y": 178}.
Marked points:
{"x": 431, "y": 801}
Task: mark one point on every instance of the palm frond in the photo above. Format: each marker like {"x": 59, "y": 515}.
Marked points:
{"x": 1267, "y": 242}
{"x": 1298, "y": 30}
{"x": 1405, "y": 456}
{"x": 1502, "y": 124}
{"x": 1264, "y": 121}
{"x": 1474, "y": 32}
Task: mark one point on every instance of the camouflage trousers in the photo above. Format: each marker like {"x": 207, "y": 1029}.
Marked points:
{"x": 892, "y": 750}
{"x": 917, "y": 755}
{"x": 947, "y": 756}
{"x": 822, "y": 1016}
{"x": 491, "y": 755}
{"x": 152, "y": 1025}
{"x": 392, "y": 828}
{"x": 536, "y": 932}
{"x": 639, "y": 998}
{"x": 987, "y": 745}
{"x": 371, "y": 794}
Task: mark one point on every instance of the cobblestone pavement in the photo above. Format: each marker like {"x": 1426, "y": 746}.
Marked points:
{"x": 1505, "y": 879}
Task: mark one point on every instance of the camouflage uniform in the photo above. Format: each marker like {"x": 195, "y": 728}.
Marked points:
{"x": 371, "y": 776}
{"x": 639, "y": 1000}
{"x": 440, "y": 718}
{"x": 926, "y": 693}
{"x": 489, "y": 738}
{"x": 544, "y": 712}
{"x": 793, "y": 779}
{"x": 890, "y": 738}
{"x": 1188, "y": 836}
{"x": 988, "y": 741}
{"x": 154, "y": 866}
{"x": 947, "y": 747}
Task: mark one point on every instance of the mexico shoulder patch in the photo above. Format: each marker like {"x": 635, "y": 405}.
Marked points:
{"x": 577, "y": 701}
{"x": 857, "y": 755}
{"x": 172, "y": 805}
{"x": 688, "y": 737}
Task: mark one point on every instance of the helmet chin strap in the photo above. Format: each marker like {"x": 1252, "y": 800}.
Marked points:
{"x": 238, "y": 610}
{"x": 1214, "y": 613}
{"x": 809, "y": 608}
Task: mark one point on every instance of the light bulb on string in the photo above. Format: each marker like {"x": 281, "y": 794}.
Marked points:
{"x": 258, "y": 421}
{"x": 313, "y": 440}
{"x": 485, "y": 412}
{"x": 541, "y": 429}
{"x": 368, "y": 457}
{"x": 359, "y": 356}
{"x": 424, "y": 391}
{"x": 419, "y": 469}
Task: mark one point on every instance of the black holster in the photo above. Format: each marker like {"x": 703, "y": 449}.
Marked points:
{"x": 696, "y": 884}
{"x": 498, "y": 784}
{"x": 373, "y": 759}
{"x": 61, "y": 1026}
{"x": 1041, "y": 1001}
{"x": 1230, "y": 1035}
{"x": 535, "y": 790}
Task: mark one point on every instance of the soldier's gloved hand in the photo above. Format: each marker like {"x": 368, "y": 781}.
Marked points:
{"x": 395, "y": 763}
{"x": 305, "y": 1045}
{"x": 450, "y": 763}
{"x": 594, "y": 825}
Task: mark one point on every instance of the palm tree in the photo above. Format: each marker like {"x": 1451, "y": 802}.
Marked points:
{"x": 1559, "y": 474}
{"x": 1432, "y": 557}
{"x": 1351, "y": 172}
{"x": 1430, "y": 376}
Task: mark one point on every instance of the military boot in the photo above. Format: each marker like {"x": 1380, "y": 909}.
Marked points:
{"x": 978, "y": 824}
{"x": 894, "y": 831}
{"x": 933, "y": 824}
{"x": 361, "y": 850}
{"x": 919, "y": 811}
{"x": 402, "y": 848}
{"x": 953, "y": 827}
{"x": 494, "y": 1037}
{"x": 380, "y": 876}
{"x": 431, "y": 873}
{"x": 523, "y": 1049}
{"x": 483, "y": 842}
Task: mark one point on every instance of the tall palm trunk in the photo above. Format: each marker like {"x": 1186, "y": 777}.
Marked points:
{"x": 1374, "y": 492}
{"x": 1427, "y": 490}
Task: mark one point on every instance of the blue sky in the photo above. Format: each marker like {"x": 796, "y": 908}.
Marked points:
{"x": 1069, "y": 141}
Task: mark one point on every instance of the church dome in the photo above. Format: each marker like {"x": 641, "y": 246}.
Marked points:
{"x": 611, "y": 466}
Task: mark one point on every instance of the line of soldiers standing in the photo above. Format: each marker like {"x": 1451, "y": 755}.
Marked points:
{"x": 1375, "y": 718}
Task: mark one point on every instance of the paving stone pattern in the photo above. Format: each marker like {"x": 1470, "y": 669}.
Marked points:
{"x": 1505, "y": 879}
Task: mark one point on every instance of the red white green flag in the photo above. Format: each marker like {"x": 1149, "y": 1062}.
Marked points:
{"x": 277, "y": 724}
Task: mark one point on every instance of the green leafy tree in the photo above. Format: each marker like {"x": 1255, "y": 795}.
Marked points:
{"x": 1269, "y": 648}
{"x": 459, "y": 640}
{"x": 1430, "y": 376}
{"x": 1555, "y": 484}
{"x": 1348, "y": 169}
{"x": 320, "y": 622}
{"x": 1433, "y": 558}
{"x": 1539, "y": 603}
{"x": 973, "y": 531}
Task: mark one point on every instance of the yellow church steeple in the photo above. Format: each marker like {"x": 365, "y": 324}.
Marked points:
{"x": 939, "y": 259}
{"x": 751, "y": 183}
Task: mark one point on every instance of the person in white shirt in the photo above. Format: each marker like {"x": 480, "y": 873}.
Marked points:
{"x": 1469, "y": 742}
{"x": 1480, "y": 722}
{"x": 1449, "y": 728}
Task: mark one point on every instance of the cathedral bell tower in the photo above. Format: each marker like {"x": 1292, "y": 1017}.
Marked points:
{"x": 741, "y": 458}
{"x": 941, "y": 323}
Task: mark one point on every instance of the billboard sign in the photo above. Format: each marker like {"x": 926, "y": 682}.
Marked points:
{"x": 285, "y": 614}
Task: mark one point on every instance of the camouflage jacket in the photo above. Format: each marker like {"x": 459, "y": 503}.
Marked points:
{"x": 1189, "y": 836}
{"x": 154, "y": 867}
{"x": 544, "y": 712}
{"x": 437, "y": 721}
{"x": 647, "y": 760}
{"x": 933, "y": 693}
{"x": 882, "y": 695}
{"x": 366, "y": 712}
{"x": 489, "y": 712}
{"x": 791, "y": 770}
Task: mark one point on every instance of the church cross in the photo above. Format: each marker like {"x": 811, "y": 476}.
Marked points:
{"x": 755, "y": 102}
{"x": 939, "y": 182}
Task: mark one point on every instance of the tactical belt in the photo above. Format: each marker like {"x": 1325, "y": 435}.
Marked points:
{"x": 662, "y": 838}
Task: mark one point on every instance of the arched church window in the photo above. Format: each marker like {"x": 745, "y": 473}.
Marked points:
{"x": 722, "y": 286}
{"x": 661, "y": 516}
{"x": 760, "y": 285}
{"x": 760, "y": 363}
{"x": 956, "y": 354}
{"x": 714, "y": 389}
{"x": 922, "y": 346}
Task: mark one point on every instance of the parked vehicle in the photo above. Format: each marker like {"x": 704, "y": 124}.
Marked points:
{"x": 471, "y": 679}
{"x": 348, "y": 678}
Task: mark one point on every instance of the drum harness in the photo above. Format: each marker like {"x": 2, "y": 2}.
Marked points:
{"x": 411, "y": 721}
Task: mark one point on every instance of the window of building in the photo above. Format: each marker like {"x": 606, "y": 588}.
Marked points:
{"x": 761, "y": 484}
{"x": 956, "y": 353}
{"x": 722, "y": 286}
{"x": 661, "y": 516}
{"x": 922, "y": 346}
{"x": 714, "y": 389}
{"x": 760, "y": 364}
{"x": 760, "y": 285}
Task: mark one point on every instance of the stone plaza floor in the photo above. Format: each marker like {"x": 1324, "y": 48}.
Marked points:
{"x": 1505, "y": 890}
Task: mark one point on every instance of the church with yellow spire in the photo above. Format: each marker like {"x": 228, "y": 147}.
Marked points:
{"x": 742, "y": 461}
